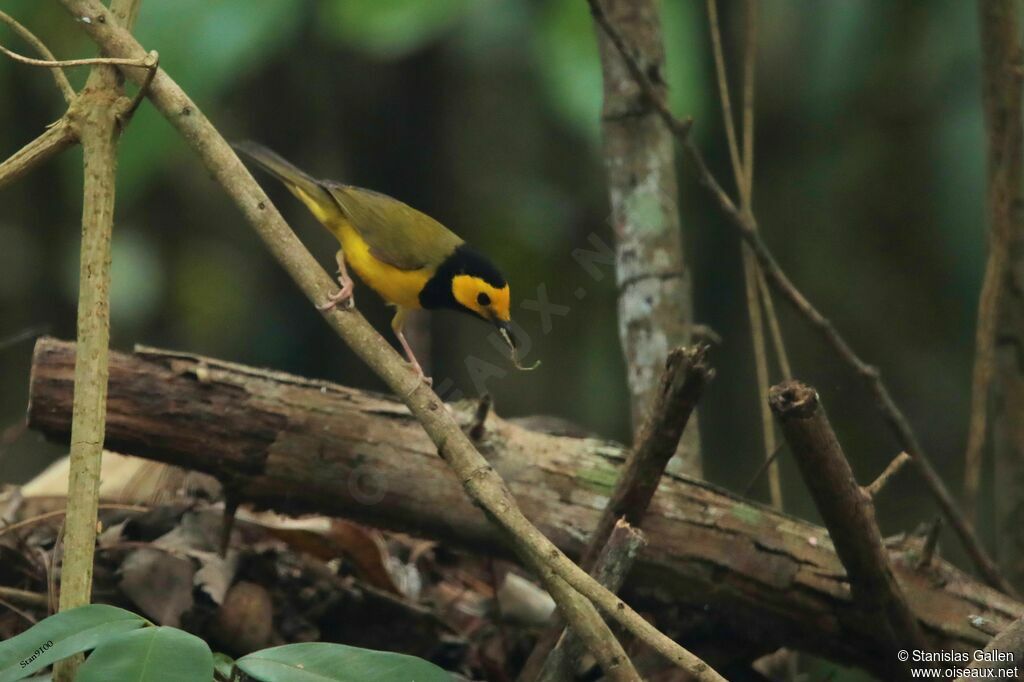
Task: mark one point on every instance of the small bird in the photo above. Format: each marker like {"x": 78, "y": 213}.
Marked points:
{"x": 404, "y": 255}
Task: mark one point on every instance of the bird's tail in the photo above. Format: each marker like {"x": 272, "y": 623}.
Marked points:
{"x": 301, "y": 184}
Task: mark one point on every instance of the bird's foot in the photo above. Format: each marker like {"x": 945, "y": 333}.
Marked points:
{"x": 343, "y": 298}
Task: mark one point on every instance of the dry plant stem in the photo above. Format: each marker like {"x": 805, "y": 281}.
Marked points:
{"x": 743, "y": 172}
{"x": 478, "y": 478}
{"x": 65, "y": 63}
{"x": 610, "y": 570}
{"x": 56, "y": 139}
{"x": 63, "y": 84}
{"x": 848, "y": 513}
{"x": 893, "y": 468}
{"x": 773, "y": 324}
{"x": 931, "y": 543}
{"x": 682, "y": 382}
{"x": 1001, "y": 93}
{"x": 655, "y": 310}
{"x": 747, "y": 226}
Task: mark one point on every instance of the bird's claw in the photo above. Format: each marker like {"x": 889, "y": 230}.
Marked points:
{"x": 344, "y": 298}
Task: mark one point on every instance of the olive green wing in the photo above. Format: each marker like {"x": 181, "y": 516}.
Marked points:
{"x": 397, "y": 233}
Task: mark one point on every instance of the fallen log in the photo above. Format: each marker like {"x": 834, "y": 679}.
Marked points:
{"x": 731, "y": 569}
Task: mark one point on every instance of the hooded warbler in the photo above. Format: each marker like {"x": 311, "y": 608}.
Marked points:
{"x": 404, "y": 255}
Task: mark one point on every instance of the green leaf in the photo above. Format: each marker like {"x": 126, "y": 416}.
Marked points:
{"x": 156, "y": 654}
{"x": 223, "y": 665}
{"x": 390, "y": 29}
{"x": 62, "y": 635}
{"x": 321, "y": 662}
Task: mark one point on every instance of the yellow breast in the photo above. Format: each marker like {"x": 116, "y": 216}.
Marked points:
{"x": 398, "y": 287}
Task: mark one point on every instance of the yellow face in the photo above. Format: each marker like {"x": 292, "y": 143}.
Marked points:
{"x": 477, "y": 296}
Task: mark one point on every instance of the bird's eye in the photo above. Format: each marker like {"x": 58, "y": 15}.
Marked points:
{"x": 483, "y": 299}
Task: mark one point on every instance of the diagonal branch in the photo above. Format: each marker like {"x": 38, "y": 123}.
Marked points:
{"x": 849, "y": 515}
{"x": 610, "y": 569}
{"x": 746, "y": 225}
{"x": 479, "y": 479}
{"x": 56, "y": 139}
{"x": 63, "y": 84}
{"x": 682, "y": 382}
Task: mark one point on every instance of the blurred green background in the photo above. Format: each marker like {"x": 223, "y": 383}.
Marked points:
{"x": 485, "y": 114}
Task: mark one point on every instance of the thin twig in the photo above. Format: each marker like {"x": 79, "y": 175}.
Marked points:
{"x": 765, "y": 463}
{"x": 66, "y": 63}
{"x": 478, "y": 478}
{"x": 14, "y": 609}
{"x": 152, "y": 62}
{"x": 746, "y": 225}
{"x": 738, "y": 168}
{"x": 59, "y": 513}
{"x": 848, "y": 514}
{"x": 931, "y": 543}
{"x": 56, "y": 139}
{"x": 749, "y": 71}
{"x": 477, "y": 426}
{"x": 773, "y": 325}
{"x": 893, "y": 468}
{"x": 29, "y": 334}
{"x": 63, "y": 84}
{"x": 743, "y": 173}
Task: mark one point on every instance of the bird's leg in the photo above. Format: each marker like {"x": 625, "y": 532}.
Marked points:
{"x": 397, "y": 324}
{"x": 345, "y": 296}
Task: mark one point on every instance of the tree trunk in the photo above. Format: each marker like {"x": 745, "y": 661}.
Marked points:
{"x": 1001, "y": 96}
{"x": 655, "y": 306}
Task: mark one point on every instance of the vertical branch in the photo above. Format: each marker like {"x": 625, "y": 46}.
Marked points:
{"x": 998, "y": 379}
{"x": 95, "y": 116}
{"x": 655, "y": 307}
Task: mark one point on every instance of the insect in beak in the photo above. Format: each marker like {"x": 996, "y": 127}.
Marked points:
{"x": 505, "y": 329}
